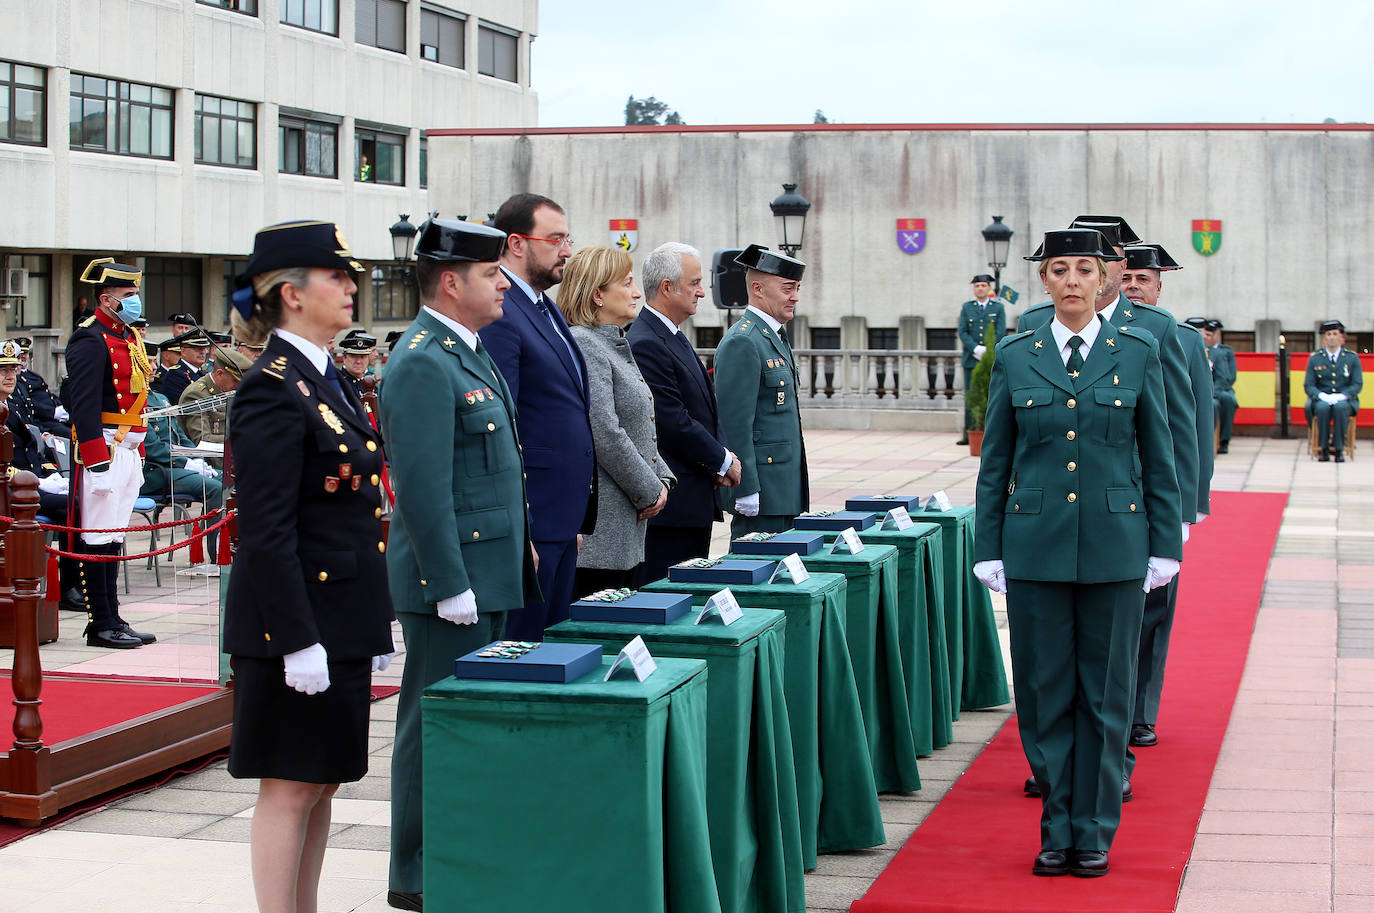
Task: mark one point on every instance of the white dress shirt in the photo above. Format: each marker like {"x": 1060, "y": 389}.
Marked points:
{"x": 1063, "y": 334}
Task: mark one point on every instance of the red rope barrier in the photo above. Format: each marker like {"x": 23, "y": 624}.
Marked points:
{"x": 54, "y": 527}
{"x": 82, "y": 556}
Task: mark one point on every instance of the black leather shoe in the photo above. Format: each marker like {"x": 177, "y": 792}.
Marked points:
{"x": 963, "y": 440}
{"x": 1127, "y": 794}
{"x": 1089, "y": 863}
{"x": 73, "y": 601}
{"x": 1143, "y": 736}
{"x": 404, "y": 900}
{"x": 143, "y": 638}
{"x": 1324, "y": 458}
{"x": 1224, "y": 447}
{"x": 1032, "y": 787}
{"x": 1051, "y": 863}
{"x": 114, "y": 638}
{"x": 1340, "y": 456}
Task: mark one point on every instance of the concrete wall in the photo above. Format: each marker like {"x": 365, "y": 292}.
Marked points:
{"x": 1297, "y": 205}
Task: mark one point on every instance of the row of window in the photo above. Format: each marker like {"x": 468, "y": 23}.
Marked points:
{"x": 129, "y": 118}
{"x": 382, "y": 24}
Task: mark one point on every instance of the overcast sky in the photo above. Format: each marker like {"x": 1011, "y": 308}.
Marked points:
{"x": 960, "y": 61}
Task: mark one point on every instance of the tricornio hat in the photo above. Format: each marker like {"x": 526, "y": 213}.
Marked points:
{"x": 1199, "y": 322}
{"x": 1329, "y": 325}
{"x": 464, "y": 242}
{"x": 1114, "y": 227}
{"x": 290, "y": 245}
{"x": 1075, "y": 242}
{"x": 758, "y": 257}
{"x": 106, "y": 273}
{"x": 982, "y": 277}
{"x": 358, "y": 342}
{"x": 1213, "y": 325}
{"x": 183, "y": 318}
{"x": 392, "y": 337}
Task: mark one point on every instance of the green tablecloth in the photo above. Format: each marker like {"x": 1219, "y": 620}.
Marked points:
{"x": 751, "y": 788}
{"x": 980, "y": 679}
{"x": 580, "y": 798}
{"x": 836, "y": 795}
{"x": 921, "y": 613}
{"x": 873, "y": 632}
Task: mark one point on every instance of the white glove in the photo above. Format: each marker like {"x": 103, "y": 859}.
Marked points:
{"x": 992, "y": 575}
{"x": 308, "y": 670}
{"x": 60, "y": 413}
{"x": 196, "y": 464}
{"x": 1185, "y": 533}
{"x": 978, "y": 351}
{"x": 460, "y": 609}
{"x": 1338, "y": 398}
{"x": 1200, "y": 518}
{"x": 54, "y": 484}
{"x": 101, "y": 483}
{"x": 748, "y": 506}
{"x": 1159, "y": 572}
{"x": 379, "y": 663}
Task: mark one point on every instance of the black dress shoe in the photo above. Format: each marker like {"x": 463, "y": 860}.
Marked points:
{"x": 73, "y": 601}
{"x": 114, "y": 638}
{"x": 962, "y": 440}
{"x": 1324, "y": 458}
{"x": 1032, "y": 787}
{"x": 1089, "y": 863}
{"x": 1224, "y": 447}
{"x": 1127, "y": 794}
{"x": 1143, "y": 736}
{"x": 1051, "y": 863}
{"x": 1340, "y": 456}
{"x": 143, "y": 638}
{"x": 404, "y": 900}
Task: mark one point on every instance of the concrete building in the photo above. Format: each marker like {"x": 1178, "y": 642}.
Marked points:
{"x": 1291, "y": 207}
{"x": 167, "y": 132}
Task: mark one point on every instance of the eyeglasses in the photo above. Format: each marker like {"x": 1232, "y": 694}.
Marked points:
{"x": 556, "y": 240}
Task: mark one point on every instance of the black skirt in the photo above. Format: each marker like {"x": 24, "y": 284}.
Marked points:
{"x": 283, "y": 734}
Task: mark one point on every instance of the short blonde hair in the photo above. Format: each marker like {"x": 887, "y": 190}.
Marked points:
{"x": 589, "y": 271}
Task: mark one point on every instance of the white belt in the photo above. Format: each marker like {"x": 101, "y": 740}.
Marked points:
{"x": 131, "y": 440}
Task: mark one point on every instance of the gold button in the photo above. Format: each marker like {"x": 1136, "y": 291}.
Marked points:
{"x": 372, "y": 445}
{"x": 476, "y": 534}
{"x": 1072, "y": 403}
{"x": 381, "y": 547}
{"x": 266, "y": 636}
{"x": 491, "y": 426}
{"x": 377, "y": 513}
{"x": 323, "y": 576}
{"x": 424, "y": 582}
{"x": 1071, "y": 435}
{"x": 343, "y": 448}
{"x": 1072, "y": 465}
{"x": 1016, "y": 507}
{"x": 1118, "y": 402}
{"x": 1132, "y": 507}
{"x": 375, "y": 479}
{"x": 770, "y": 459}
{"x": 1030, "y": 402}
{"x": 1072, "y": 497}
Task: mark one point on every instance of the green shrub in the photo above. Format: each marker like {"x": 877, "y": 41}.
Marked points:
{"x": 976, "y": 396}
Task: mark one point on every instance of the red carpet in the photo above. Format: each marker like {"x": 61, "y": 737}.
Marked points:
{"x": 72, "y": 707}
{"x": 973, "y": 853}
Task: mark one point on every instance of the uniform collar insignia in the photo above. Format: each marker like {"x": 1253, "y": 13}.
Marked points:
{"x": 1111, "y": 342}
{"x": 1127, "y": 315}
{"x": 449, "y": 341}
{"x": 1039, "y": 344}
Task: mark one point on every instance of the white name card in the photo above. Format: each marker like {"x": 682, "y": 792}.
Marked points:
{"x": 792, "y": 564}
{"x": 939, "y": 501}
{"x": 636, "y": 653}
{"x": 723, "y": 604}
{"x": 898, "y": 518}
{"x": 850, "y": 540}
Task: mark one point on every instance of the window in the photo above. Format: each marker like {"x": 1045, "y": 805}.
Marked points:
{"x": 125, "y": 118}
{"x": 171, "y": 285}
{"x": 441, "y": 38}
{"x": 497, "y": 52}
{"x": 247, "y": 7}
{"x": 1241, "y": 342}
{"x": 825, "y": 337}
{"x": 226, "y": 132}
{"x": 229, "y": 271}
{"x": 382, "y": 24}
{"x": 381, "y": 157}
{"x": 424, "y": 161}
{"x": 882, "y": 338}
{"x": 315, "y": 15}
{"x": 1298, "y": 341}
{"x": 709, "y": 337}
{"x": 942, "y": 338}
{"x": 307, "y": 147}
{"x": 35, "y": 309}
{"x": 394, "y": 296}
{"x": 23, "y": 106}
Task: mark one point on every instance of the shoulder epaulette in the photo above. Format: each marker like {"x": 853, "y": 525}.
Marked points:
{"x": 277, "y": 366}
{"x": 417, "y": 339}
{"x": 87, "y": 322}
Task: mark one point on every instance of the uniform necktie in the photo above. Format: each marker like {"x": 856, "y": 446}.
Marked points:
{"x": 1075, "y": 362}
{"x": 558, "y": 331}
{"x": 332, "y": 374}
{"x": 483, "y": 357}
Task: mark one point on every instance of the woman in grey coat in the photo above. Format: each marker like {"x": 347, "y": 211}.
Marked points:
{"x": 599, "y": 298}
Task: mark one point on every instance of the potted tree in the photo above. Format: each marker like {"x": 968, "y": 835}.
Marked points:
{"x": 976, "y": 396}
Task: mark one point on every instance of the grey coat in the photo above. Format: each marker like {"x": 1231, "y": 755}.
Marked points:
{"x": 630, "y": 473}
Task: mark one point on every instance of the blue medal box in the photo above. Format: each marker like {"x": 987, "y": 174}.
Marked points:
{"x": 839, "y": 520}
{"x": 883, "y": 503}
{"x": 726, "y": 572}
{"x": 802, "y": 543}
{"x": 637, "y": 608}
{"x": 548, "y": 662}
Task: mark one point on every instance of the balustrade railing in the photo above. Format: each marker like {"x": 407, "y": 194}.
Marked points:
{"x": 928, "y": 379}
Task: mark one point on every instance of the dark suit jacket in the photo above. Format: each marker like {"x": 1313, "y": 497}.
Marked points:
{"x": 690, "y": 438}
{"x": 311, "y": 566}
{"x": 551, "y": 415}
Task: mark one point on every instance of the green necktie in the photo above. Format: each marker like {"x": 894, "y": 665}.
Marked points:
{"x": 1075, "y": 363}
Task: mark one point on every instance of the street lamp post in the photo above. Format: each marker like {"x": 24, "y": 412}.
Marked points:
{"x": 998, "y": 238}
{"x": 789, "y": 214}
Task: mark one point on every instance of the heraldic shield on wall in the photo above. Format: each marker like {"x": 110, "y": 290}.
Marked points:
{"x": 911, "y": 235}
{"x": 1207, "y": 236}
{"x": 625, "y": 234}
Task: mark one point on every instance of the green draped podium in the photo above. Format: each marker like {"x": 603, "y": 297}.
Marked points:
{"x": 836, "y": 795}
{"x": 751, "y": 789}
{"x": 582, "y": 798}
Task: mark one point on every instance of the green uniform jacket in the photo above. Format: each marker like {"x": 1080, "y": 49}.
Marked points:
{"x": 973, "y": 325}
{"x": 1178, "y": 392}
{"x": 1201, "y": 376}
{"x": 1224, "y": 369}
{"x": 756, "y": 391}
{"x": 211, "y": 425}
{"x": 460, "y": 520}
{"x": 1345, "y": 376}
{"x": 1059, "y": 494}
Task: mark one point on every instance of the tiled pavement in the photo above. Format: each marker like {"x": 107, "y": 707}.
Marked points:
{"x": 1288, "y": 825}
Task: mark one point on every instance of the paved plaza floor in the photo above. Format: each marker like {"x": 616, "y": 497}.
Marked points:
{"x": 1288, "y": 825}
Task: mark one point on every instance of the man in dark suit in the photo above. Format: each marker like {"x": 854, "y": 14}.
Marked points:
{"x": 543, "y": 367}
{"x": 690, "y": 438}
